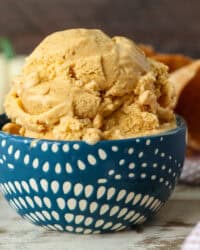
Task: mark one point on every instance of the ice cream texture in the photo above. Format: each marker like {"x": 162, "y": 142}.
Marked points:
{"x": 80, "y": 84}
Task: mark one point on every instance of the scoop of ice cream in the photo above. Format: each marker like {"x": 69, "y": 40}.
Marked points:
{"x": 82, "y": 84}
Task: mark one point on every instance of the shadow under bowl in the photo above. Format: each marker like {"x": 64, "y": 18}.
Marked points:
{"x": 76, "y": 187}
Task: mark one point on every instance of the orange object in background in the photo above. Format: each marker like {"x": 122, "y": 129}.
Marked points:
{"x": 185, "y": 76}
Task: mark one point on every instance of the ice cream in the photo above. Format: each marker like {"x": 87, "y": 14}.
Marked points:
{"x": 81, "y": 84}
{"x": 185, "y": 77}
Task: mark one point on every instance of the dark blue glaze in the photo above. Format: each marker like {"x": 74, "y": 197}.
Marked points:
{"x": 76, "y": 187}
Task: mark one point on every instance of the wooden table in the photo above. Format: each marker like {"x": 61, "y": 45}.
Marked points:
{"x": 166, "y": 232}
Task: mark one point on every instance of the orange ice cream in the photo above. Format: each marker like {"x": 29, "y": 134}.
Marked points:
{"x": 81, "y": 84}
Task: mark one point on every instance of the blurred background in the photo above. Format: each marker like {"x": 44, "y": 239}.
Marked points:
{"x": 170, "y": 26}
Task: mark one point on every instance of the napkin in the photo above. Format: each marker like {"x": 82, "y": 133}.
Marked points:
{"x": 192, "y": 242}
{"x": 191, "y": 175}
{"x": 191, "y": 170}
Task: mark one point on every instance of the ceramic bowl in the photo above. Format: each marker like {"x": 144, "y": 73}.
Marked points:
{"x": 76, "y": 187}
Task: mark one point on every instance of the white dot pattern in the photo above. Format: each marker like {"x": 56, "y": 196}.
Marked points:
{"x": 81, "y": 165}
{"x": 144, "y": 165}
{"x": 26, "y": 159}
{"x": 115, "y": 148}
{"x": 61, "y": 203}
{"x": 65, "y": 148}
{"x": 55, "y": 186}
{"x": 130, "y": 151}
{"x": 11, "y": 166}
{"x": 58, "y": 168}
{"x": 66, "y": 187}
{"x": 121, "y": 162}
{"x": 44, "y": 147}
{"x": 33, "y": 184}
{"x": 10, "y": 150}
{"x": 3, "y": 143}
{"x": 111, "y": 172}
{"x": 76, "y": 147}
{"x": 87, "y": 206}
{"x": 44, "y": 185}
{"x": 148, "y": 142}
{"x": 35, "y": 163}
{"x": 78, "y": 188}
{"x": 132, "y": 165}
{"x": 69, "y": 217}
{"x": 54, "y": 148}
{"x": 17, "y": 154}
{"x": 117, "y": 211}
{"x": 46, "y": 166}
{"x": 102, "y": 154}
{"x": 91, "y": 159}
{"x": 140, "y": 155}
{"x": 118, "y": 176}
{"x": 68, "y": 168}
{"x": 82, "y": 205}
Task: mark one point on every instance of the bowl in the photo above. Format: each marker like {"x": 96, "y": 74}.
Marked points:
{"x": 81, "y": 188}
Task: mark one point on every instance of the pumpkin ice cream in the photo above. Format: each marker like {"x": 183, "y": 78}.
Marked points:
{"x": 80, "y": 84}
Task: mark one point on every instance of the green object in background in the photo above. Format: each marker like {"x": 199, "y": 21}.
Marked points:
{"x": 6, "y": 47}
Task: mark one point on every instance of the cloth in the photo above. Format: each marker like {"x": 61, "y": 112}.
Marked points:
{"x": 191, "y": 171}
{"x": 192, "y": 242}
{"x": 191, "y": 175}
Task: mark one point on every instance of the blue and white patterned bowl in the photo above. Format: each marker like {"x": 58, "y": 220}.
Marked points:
{"x": 76, "y": 187}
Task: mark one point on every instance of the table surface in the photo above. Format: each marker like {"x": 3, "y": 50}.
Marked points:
{"x": 166, "y": 232}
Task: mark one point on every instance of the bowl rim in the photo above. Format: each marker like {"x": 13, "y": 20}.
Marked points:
{"x": 181, "y": 126}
